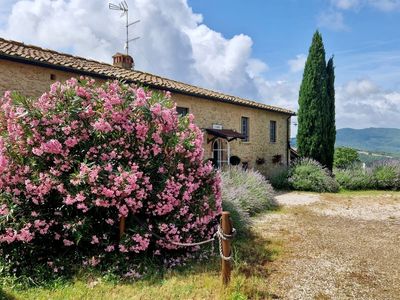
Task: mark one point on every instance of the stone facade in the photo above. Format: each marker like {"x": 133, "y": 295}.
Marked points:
{"x": 208, "y": 112}
{"x": 32, "y": 80}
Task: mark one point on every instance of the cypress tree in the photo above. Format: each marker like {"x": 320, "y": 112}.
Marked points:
{"x": 331, "y": 124}
{"x": 313, "y": 104}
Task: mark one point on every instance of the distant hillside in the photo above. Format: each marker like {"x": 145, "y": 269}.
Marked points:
{"x": 382, "y": 140}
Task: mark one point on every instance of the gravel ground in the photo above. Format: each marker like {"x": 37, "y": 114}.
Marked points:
{"x": 336, "y": 246}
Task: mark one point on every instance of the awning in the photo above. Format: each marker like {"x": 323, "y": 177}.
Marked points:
{"x": 227, "y": 134}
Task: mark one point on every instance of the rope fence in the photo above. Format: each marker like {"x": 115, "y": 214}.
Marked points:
{"x": 224, "y": 234}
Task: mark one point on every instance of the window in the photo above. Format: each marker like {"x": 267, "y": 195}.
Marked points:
{"x": 272, "y": 131}
{"x": 182, "y": 111}
{"x": 221, "y": 153}
{"x": 245, "y": 128}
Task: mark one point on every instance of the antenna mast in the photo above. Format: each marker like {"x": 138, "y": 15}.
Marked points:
{"x": 123, "y": 6}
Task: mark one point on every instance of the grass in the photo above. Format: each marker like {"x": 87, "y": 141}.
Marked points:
{"x": 252, "y": 257}
{"x": 343, "y": 192}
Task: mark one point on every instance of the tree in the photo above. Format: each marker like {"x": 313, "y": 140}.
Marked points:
{"x": 330, "y": 117}
{"x": 316, "y": 131}
{"x": 345, "y": 157}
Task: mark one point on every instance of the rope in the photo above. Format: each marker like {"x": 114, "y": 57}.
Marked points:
{"x": 219, "y": 234}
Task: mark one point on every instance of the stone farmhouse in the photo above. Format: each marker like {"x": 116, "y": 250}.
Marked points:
{"x": 256, "y": 133}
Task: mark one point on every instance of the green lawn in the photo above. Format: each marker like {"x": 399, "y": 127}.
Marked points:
{"x": 196, "y": 281}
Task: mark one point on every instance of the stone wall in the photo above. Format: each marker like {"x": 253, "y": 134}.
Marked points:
{"x": 208, "y": 112}
{"x": 33, "y": 80}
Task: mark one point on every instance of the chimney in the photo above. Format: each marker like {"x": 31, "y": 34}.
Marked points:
{"x": 123, "y": 61}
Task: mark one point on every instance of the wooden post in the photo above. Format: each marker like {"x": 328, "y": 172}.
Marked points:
{"x": 226, "y": 247}
{"x": 121, "y": 226}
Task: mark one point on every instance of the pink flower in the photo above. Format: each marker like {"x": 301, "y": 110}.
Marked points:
{"x": 102, "y": 125}
{"x": 156, "y": 109}
{"x": 82, "y": 207}
{"x": 66, "y": 130}
{"x": 122, "y": 248}
{"x": 95, "y": 240}
{"x": 52, "y": 146}
{"x": 140, "y": 97}
{"x": 108, "y": 168}
{"x": 71, "y": 142}
{"x": 67, "y": 242}
{"x": 157, "y": 138}
{"x": 4, "y": 210}
{"x": 109, "y": 248}
{"x": 110, "y": 221}
{"x": 141, "y": 131}
{"x": 123, "y": 210}
{"x": 37, "y": 151}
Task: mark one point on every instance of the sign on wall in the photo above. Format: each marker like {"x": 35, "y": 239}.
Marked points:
{"x": 217, "y": 126}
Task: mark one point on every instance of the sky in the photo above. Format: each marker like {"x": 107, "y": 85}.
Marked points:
{"x": 254, "y": 49}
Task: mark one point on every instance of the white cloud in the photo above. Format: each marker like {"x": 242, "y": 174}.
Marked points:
{"x": 173, "y": 40}
{"x": 346, "y": 4}
{"x": 383, "y": 5}
{"x": 256, "y": 67}
{"x": 177, "y": 44}
{"x": 297, "y": 64}
{"x": 333, "y": 20}
{"x": 362, "y": 103}
{"x": 360, "y": 88}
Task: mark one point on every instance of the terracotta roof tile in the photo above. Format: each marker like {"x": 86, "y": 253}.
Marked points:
{"x": 11, "y": 49}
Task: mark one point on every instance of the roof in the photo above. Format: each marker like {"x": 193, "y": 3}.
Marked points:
{"x": 21, "y": 52}
{"x": 228, "y": 134}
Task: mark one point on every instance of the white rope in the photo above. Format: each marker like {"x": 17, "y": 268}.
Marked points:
{"x": 219, "y": 234}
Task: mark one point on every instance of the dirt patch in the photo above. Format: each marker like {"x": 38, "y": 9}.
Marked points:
{"x": 336, "y": 247}
{"x": 384, "y": 207}
{"x": 292, "y": 199}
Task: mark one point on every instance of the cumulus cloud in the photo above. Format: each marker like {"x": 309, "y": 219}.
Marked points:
{"x": 297, "y": 64}
{"x": 174, "y": 41}
{"x": 362, "y": 103}
{"x": 177, "y": 44}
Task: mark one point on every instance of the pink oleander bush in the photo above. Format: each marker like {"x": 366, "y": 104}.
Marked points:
{"x": 80, "y": 157}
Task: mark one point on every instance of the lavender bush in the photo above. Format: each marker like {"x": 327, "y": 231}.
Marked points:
{"x": 248, "y": 188}
{"x": 245, "y": 193}
{"x": 306, "y": 174}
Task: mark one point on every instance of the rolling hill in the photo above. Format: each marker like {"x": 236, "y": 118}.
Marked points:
{"x": 381, "y": 140}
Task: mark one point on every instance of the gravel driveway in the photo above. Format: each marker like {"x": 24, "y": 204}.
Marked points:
{"x": 344, "y": 246}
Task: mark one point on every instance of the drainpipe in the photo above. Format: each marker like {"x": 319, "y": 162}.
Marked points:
{"x": 288, "y": 140}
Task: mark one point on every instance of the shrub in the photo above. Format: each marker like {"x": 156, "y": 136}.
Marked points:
{"x": 345, "y": 157}
{"x": 308, "y": 175}
{"x": 248, "y": 188}
{"x": 280, "y": 179}
{"x": 79, "y": 158}
{"x": 386, "y": 175}
{"x": 381, "y": 175}
{"x": 355, "y": 179}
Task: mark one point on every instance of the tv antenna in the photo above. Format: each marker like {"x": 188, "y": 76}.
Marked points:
{"x": 123, "y": 7}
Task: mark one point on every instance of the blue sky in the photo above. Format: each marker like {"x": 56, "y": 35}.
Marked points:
{"x": 254, "y": 49}
{"x": 366, "y": 40}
